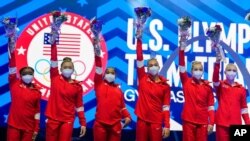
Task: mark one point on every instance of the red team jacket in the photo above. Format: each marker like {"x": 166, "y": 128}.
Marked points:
{"x": 65, "y": 97}
{"x": 154, "y": 98}
{"x": 199, "y": 99}
{"x": 110, "y": 102}
{"x": 232, "y": 101}
{"x": 25, "y": 102}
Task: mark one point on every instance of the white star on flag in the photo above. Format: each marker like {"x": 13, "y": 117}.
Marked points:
{"x": 102, "y": 54}
{"x": 21, "y": 50}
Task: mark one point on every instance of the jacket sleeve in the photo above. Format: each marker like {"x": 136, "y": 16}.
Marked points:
{"x": 37, "y": 115}
{"x": 80, "y": 108}
{"x": 216, "y": 81}
{"x": 99, "y": 71}
{"x": 182, "y": 67}
{"x": 166, "y": 108}
{"x": 244, "y": 108}
{"x": 54, "y": 61}
{"x": 211, "y": 112}
{"x": 140, "y": 62}
{"x": 124, "y": 110}
{"x": 12, "y": 68}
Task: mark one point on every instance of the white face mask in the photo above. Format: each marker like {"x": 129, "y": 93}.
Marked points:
{"x": 109, "y": 77}
{"x": 27, "y": 79}
{"x": 231, "y": 75}
{"x": 197, "y": 74}
{"x": 67, "y": 72}
{"x": 153, "y": 70}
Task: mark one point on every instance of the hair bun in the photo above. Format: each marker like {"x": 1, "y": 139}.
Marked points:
{"x": 67, "y": 59}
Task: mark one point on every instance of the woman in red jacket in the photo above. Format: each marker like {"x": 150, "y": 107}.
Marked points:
{"x": 111, "y": 107}
{"x": 65, "y": 99}
{"x": 24, "y": 115}
{"x": 199, "y": 102}
{"x": 232, "y": 101}
{"x": 152, "y": 107}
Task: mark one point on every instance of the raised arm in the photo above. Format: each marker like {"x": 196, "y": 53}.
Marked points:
{"x": 12, "y": 67}
{"x": 216, "y": 81}
{"x": 244, "y": 108}
{"x": 140, "y": 62}
{"x": 166, "y": 108}
{"x": 98, "y": 72}
{"x": 54, "y": 61}
{"x": 182, "y": 67}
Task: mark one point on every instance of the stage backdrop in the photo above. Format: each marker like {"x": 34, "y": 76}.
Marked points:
{"x": 160, "y": 40}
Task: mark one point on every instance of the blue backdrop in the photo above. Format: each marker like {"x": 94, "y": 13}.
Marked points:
{"x": 160, "y": 41}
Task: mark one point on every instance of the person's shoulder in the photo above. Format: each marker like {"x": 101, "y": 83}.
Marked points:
{"x": 239, "y": 85}
{"x": 118, "y": 86}
{"x": 76, "y": 82}
{"x": 164, "y": 80}
{"x": 207, "y": 83}
{"x": 37, "y": 87}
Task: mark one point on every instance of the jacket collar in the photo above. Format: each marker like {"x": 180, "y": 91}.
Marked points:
{"x": 71, "y": 82}
{"x": 236, "y": 84}
{"x": 162, "y": 79}
{"x": 33, "y": 86}
{"x": 202, "y": 81}
{"x": 110, "y": 83}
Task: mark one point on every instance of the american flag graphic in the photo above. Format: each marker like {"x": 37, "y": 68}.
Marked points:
{"x": 68, "y": 44}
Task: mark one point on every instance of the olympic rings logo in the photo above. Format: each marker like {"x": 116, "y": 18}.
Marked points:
{"x": 42, "y": 67}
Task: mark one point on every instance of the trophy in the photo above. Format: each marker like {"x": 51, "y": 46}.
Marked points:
{"x": 10, "y": 26}
{"x": 184, "y": 25}
{"x": 58, "y": 19}
{"x": 96, "y": 28}
{"x": 213, "y": 34}
{"x": 142, "y": 13}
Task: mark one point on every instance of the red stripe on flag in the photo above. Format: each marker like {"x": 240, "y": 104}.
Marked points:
{"x": 69, "y": 37}
{"x": 63, "y": 51}
{"x": 62, "y": 55}
{"x": 72, "y": 48}
{"x": 69, "y": 34}
{"x": 69, "y": 41}
{"x": 69, "y": 44}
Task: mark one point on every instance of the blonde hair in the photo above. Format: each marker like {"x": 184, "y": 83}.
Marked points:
{"x": 230, "y": 65}
{"x": 194, "y": 63}
{"x": 110, "y": 68}
{"x": 152, "y": 59}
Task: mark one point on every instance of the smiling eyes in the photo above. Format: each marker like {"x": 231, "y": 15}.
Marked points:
{"x": 197, "y": 69}
{"x": 151, "y": 65}
{"x": 110, "y": 72}
{"x": 234, "y": 70}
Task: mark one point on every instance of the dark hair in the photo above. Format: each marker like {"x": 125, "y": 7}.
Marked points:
{"x": 66, "y": 59}
{"x": 21, "y": 71}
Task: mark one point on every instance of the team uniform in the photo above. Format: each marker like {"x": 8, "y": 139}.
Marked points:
{"x": 110, "y": 107}
{"x": 152, "y": 107}
{"x": 198, "y": 106}
{"x": 24, "y": 115}
{"x": 232, "y": 105}
{"x": 65, "y": 99}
